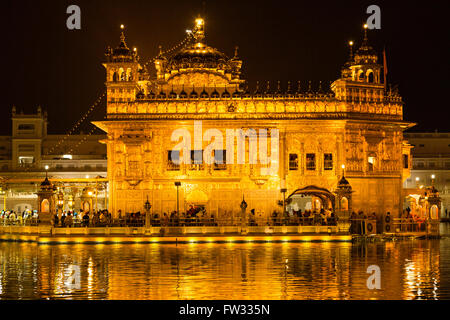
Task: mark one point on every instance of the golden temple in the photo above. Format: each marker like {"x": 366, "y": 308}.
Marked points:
{"x": 344, "y": 148}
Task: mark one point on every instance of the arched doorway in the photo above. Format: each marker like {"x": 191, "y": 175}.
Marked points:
{"x": 434, "y": 212}
{"x": 45, "y": 206}
{"x": 311, "y": 198}
{"x": 196, "y": 202}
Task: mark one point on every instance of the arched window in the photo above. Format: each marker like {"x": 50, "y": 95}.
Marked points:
{"x": 371, "y": 162}
{"x": 115, "y": 77}
{"x": 86, "y": 206}
{"x": 434, "y": 212}
{"x": 361, "y": 75}
{"x": 344, "y": 203}
{"x": 123, "y": 76}
{"x": 370, "y": 77}
{"x": 45, "y": 206}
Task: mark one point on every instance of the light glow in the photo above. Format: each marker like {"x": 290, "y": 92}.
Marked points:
{"x": 199, "y": 22}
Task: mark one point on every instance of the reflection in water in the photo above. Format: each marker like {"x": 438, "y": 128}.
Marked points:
{"x": 409, "y": 270}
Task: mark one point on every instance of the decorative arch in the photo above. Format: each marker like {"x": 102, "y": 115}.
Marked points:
{"x": 323, "y": 194}
{"x": 86, "y": 206}
{"x": 122, "y": 75}
{"x": 45, "y": 206}
{"x": 370, "y": 76}
{"x": 434, "y": 212}
{"x": 360, "y": 75}
{"x": 344, "y": 203}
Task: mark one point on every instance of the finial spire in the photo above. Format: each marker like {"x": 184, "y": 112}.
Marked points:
{"x": 365, "y": 32}
{"x": 199, "y": 29}
{"x": 122, "y": 37}
{"x": 350, "y": 44}
{"x": 236, "y": 49}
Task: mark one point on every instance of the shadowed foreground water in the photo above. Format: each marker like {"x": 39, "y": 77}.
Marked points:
{"x": 418, "y": 269}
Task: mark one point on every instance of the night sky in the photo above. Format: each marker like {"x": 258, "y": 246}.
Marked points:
{"x": 43, "y": 63}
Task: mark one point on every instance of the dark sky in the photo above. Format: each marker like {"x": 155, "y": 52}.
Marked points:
{"x": 43, "y": 63}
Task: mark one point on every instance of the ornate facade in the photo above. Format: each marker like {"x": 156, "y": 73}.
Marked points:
{"x": 359, "y": 124}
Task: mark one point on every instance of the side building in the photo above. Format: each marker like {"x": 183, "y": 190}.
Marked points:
{"x": 74, "y": 163}
{"x": 431, "y": 158}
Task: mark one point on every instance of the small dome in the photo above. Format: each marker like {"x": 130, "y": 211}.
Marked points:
{"x": 183, "y": 94}
{"x": 197, "y": 56}
{"x": 46, "y": 183}
{"x": 204, "y": 94}
{"x": 365, "y": 53}
{"x": 193, "y": 94}
{"x": 122, "y": 52}
{"x": 151, "y": 95}
{"x": 226, "y": 94}
{"x": 215, "y": 94}
{"x": 343, "y": 182}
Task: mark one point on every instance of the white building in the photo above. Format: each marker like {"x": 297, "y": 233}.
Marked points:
{"x": 431, "y": 157}
{"x": 73, "y": 163}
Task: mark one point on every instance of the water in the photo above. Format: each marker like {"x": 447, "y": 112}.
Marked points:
{"x": 418, "y": 269}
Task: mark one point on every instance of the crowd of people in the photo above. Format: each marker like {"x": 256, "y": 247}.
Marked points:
{"x": 68, "y": 219}
{"x": 322, "y": 217}
{"x": 26, "y": 217}
{"x": 195, "y": 216}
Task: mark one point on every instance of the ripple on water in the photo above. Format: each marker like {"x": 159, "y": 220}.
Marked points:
{"x": 417, "y": 269}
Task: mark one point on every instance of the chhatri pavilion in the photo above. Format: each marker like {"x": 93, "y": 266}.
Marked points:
{"x": 341, "y": 150}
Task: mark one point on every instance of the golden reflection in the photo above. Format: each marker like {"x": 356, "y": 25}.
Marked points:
{"x": 249, "y": 270}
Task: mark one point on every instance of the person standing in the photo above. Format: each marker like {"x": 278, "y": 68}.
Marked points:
{"x": 55, "y": 220}
{"x": 86, "y": 219}
{"x": 69, "y": 220}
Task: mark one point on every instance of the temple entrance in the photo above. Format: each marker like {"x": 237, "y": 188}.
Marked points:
{"x": 310, "y": 198}
{"x": 196, "y": 202}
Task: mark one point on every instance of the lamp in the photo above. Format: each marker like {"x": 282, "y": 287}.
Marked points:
{"x": 147, "y": 207}
{"x": 283, "y": 191}
{"x": 178, "y": 184}
{"x": 60, "y": 200}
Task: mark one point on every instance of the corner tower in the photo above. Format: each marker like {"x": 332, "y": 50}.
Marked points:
{"x": 122, "y": 74}
{"x": 361, "y": 75}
